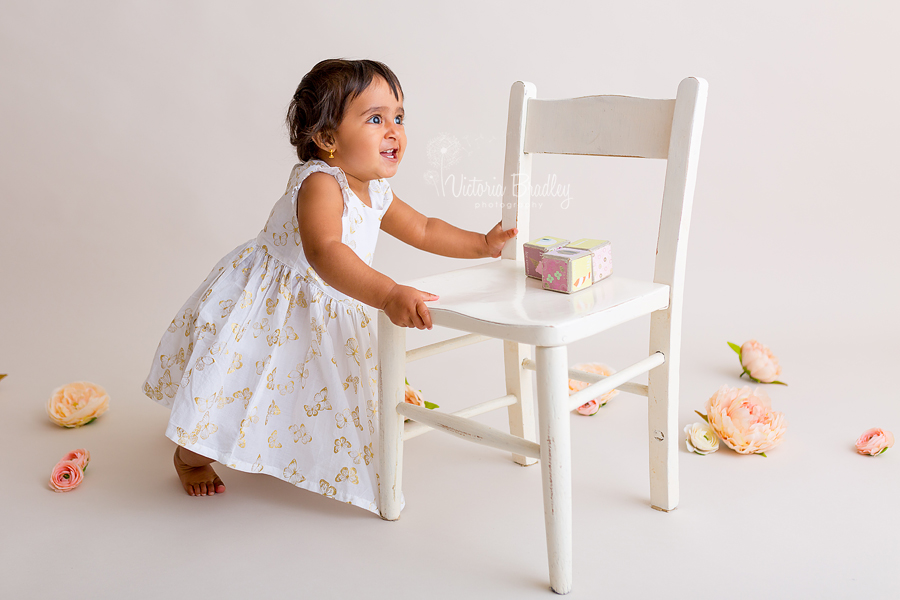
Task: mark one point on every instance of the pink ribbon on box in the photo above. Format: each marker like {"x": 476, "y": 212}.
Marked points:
{"x": 539, "y": 269}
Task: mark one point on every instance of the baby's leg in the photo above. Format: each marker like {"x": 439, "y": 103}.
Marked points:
{"x": 197, "y": 477}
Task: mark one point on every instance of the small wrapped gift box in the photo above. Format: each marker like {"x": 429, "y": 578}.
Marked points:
{"x": 535, "y": 249}
{"x": 602, "y": 252}
{"x": 566, "y": 270}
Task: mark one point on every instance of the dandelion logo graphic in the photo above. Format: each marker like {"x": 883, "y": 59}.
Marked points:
{"x": 443, "y": 152}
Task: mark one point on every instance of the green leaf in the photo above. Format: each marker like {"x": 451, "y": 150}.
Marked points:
{"x": 431, "y": 405}
{"x": 883, "y": 450}
{"x": 779, "y": 383}
{"x": 406, "y": 380}
{"x": 763, "y": 454}
{"x": 2, "y": 375}
{"x": 705, "y": 418}
{"x": 735, "y": 347}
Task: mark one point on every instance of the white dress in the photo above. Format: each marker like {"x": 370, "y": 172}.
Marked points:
{"x": 268, "y": 369}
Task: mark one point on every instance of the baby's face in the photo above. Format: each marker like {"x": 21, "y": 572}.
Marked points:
{"x": 370, "y": 141}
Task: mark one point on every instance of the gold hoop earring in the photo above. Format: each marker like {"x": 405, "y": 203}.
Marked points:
{"x": 332, "y": 153}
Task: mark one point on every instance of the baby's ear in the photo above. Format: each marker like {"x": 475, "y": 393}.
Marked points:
{"x": 323, "y": 140}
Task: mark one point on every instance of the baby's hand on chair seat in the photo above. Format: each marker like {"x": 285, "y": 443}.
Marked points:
{"x": 405, "y": 307}
{"x": 496, "y": 238}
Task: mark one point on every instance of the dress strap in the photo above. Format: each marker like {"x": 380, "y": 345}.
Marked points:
{"x": 380, "y": 193}
{"x": 302, "y": 170}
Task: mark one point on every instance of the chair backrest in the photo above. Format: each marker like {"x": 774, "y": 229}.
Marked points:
{"x": 610, "y": 126}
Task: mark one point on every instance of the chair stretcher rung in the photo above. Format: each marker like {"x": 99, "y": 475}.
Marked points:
{"x": 629, "y": 387}
{"x": 615, "y": 380}
{"x": 413, "y": 429}
{"x": 438, "y": 347}
{"x": 470, "y": 430}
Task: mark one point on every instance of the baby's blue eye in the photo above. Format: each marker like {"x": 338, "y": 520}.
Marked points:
{"x": 376, "y": 119}
{"x": 398, "y": 119}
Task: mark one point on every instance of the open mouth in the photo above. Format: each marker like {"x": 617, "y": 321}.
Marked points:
{"x": 392, "y": 153}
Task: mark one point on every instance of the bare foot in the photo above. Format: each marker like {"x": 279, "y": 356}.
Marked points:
{"x": 197, "y": 477}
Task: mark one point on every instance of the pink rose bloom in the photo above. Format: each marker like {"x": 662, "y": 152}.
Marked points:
{"x": 591, "y": 407}
{"x": 413, "y": 397}
{"x": 874, "y": 441}
{"x": 759, "y": 362}
{"x": 745, "y": 420}
{"x": 81, "y": 457}
{"x": 66, "y": 476}
{"x": 77, "y": 404}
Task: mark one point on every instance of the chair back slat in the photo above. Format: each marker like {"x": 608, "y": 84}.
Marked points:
{"x": 610, "y": 126}
{"x": 600, "y": 126}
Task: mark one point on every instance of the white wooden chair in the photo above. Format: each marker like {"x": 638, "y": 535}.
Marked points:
{"x": 497, "y": 300}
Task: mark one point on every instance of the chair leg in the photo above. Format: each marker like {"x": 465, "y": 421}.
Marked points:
{"x": 391, "y": 388}
{"x": 556, "y": 462}
{"x": 518, "y": 383}
{"x": 665, "y": 337}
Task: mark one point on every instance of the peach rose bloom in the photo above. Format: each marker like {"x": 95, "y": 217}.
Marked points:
{"x": 81, "y": 457}
{"x": 413, "y": 396}
{"x": 745, "y": 420}
{"x": 759, "y": 361}
{"x": 874, "y": 441}
{"x": 77, "y": 404}
{"x": 591, "y": 407}
{"x": 66, "y": 476}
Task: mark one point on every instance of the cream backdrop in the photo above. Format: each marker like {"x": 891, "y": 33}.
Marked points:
{"x": 141, "y": 141}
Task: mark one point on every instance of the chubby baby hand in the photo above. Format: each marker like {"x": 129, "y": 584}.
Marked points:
{"x": 405, "y": 307}
{"x": 496, "y": 238}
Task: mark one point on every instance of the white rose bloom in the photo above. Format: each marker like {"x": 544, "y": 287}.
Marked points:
{"x": 701, "y": 438}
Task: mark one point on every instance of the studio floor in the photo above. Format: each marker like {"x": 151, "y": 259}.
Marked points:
{"x": 813, "y": 520}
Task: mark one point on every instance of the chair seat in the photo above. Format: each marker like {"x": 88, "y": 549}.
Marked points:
{"x": 497, "y": 299}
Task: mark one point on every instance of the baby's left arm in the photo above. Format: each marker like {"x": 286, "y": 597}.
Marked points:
{"x": 439, "y": 237}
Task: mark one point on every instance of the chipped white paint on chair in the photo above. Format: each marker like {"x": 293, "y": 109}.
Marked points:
{"x": 495, "y": 299}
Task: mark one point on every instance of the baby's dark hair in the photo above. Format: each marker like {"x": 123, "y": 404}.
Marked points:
{"x": 323, "y": 95}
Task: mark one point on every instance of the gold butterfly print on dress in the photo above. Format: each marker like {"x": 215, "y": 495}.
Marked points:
{"x": 301, "y": 373}
{"x": 246, "y": 299}
{"x": 326, "y": 489}
{"x": 282, "y": 336}
{"x": 235, "y": 363}
{"x": 204, "y": 404}
{"x": 205, "y": 329}
{"x": 351, "y": 380}
{"x": 166, "y": 362}
{"x": 292, "y": 473}
{"x": 203, "y": 430}
{"x": 244, "y": 396}
{"x": 245, "y": 423}
{"x": 226, "y": 306}
{"x": 331, "y": 308}
{"x": 300, "y": 434}
{"x": 257, "y": 466}
{"x": 355, "y": 414}
{"x": 342, "y": 418}
{"x": 341, "y": 443}
{"x": 244, "y": 254}
{"x": 273, "y": 440}
{"x": 179, "y": 322}
{"x": 321, "y": 403}
{"x": 352, "y": 348}
{"x": 261, "y": 327}
{"x": 262, "y": 364}
{"x": 347, "y": 474}
{"x": 203, "y": 362}
{"x": 272, "y": 412}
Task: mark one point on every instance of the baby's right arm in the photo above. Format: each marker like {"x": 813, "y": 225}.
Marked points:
{"x": 319, "y": 209}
